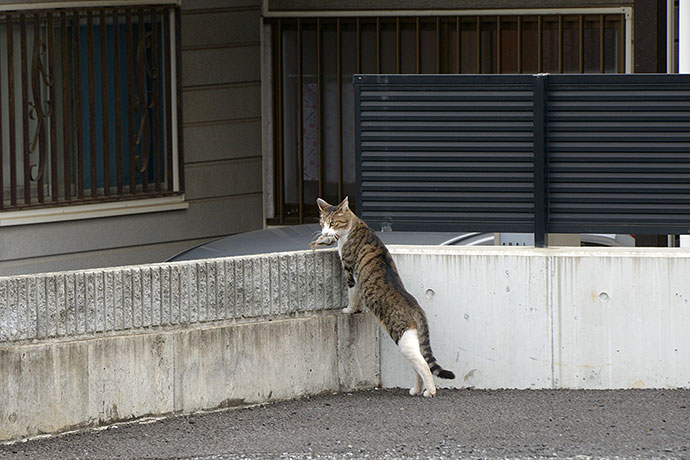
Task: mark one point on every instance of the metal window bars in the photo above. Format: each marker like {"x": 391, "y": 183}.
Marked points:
{"x": 311, "y": 79}
{"x": 87, "y": 105}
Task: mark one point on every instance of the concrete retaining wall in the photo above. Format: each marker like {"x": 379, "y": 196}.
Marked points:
{"x": 85, "y": 348}
{"x": 550, "y": 318}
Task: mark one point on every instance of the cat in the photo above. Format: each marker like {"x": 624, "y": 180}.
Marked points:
{"x": 373, "y": 281}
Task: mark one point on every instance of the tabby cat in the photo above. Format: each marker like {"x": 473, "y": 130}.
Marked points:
{"x": 373, "y": 281}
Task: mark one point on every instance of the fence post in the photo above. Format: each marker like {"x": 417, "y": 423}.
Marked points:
{"x": 540, "y": 170}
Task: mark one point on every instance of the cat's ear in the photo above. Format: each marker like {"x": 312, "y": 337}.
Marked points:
{"x": 344, "y": 205}
{"x": 323, "y": 206}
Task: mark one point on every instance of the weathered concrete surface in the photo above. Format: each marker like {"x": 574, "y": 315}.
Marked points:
{"x": 54, "y": 386}
{"x": 594, "y": 318}
{"x": 97, "y": 302}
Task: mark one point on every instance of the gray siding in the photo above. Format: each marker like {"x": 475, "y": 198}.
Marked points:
{"x": 221, "y": 103}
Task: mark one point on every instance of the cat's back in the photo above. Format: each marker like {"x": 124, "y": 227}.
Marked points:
{"x": 368, "y": 256}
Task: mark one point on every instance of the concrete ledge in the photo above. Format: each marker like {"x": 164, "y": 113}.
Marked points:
{"x": 96, "y": 302}
{"x": 58, "y": 385}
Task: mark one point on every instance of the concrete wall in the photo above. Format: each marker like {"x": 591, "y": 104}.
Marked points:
{"x": 165, "y": 338}
{"x": 85, "y": 348}
{"x": 550, "y": 318}
{"x": 221, "y": 130}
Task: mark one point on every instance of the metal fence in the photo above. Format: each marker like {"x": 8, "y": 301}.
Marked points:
{"x": 514, "y": 153}
{"x": 87, "y": 105}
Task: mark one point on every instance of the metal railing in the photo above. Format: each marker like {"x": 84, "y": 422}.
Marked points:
{"x": 314, "y": 59}
{"x": 87, "y": 99}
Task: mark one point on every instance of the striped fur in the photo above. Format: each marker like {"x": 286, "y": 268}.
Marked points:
{"x": 373, "y": 278}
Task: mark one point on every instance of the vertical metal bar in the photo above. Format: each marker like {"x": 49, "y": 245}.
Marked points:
{"x": 155, "y": 57}
{"x": 479, "y": 44}
{"x": 560, "y": 43}
{"x": 118, "y": 103}
{"x": 438, "y": 44}
{"x": 540, "y": 171}
{"x": 378, "y": 45}
{"x": 621, "y": 44}
{"x": 130, "y": 102}
{"x": 397, "y": 44}
{"x": 519, "y": 44}
{"x": 279, "y": 123}
{"x": 339, "y": 78}
{"x": 25, "y": 110}
{"x": 499, "y": 43}
{"x": 319, "y": 107}
{"x": 300, "y": 128}
{"x": 358, "y": 27}
{"x": 418, "y": 41}
{"x": 144, "y": 153}
{"x": 40, "y": 128}
{"x": 104, "y": 100}
{"x": 53, "y": 102}
{"x": 168, "y": 107}
{"x": 66, "y": 119}
{"x": 92, "y": 107}
{"x": 79, "y": 144}
{"x": 11, "y": 112}
{"x": 581, "y": 44}
{"x": 540, "y": 44}
{"x": 602, "y": 68}
{"x": 457, "y": 44}
{"x": 178, "y": 107}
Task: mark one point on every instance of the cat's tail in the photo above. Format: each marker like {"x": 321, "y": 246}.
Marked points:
{"x": 425, "y": 348}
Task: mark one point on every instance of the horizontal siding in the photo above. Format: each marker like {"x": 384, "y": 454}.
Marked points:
{"x": 222, "y": 103}
{"x": 207, "y": 28}
{"x": 204, "y": 218}
{"x": 151, "y": 253}
{"x": 221, "y": 65}
{"x": 223, "y": 178}
{"x": 224, "y": 140}
{"x": 192, "y": 5}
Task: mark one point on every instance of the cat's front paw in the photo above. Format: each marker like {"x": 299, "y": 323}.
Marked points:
{"x": 429, "y": 394}
{"x": 348, "y": 310}
{"x": 322, "y": 241}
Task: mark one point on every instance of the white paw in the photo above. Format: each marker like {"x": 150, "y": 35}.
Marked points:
{"x": 428, "y": 394}
{"x": 348, "y": 310}
{"x": 415, "y": 391}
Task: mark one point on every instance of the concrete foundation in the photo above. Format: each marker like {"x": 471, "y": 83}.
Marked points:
{"x": 56, "y": 386}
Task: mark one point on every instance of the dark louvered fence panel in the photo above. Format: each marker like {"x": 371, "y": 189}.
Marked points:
{"x": 434, "y": 153}
{"x": 619, "y": 153}
{"x": 468, "y": 153}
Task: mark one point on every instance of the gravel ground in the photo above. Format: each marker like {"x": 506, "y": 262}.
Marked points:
{"x": 390, "y": 424}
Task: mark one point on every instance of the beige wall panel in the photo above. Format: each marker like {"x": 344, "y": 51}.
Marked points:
{"x": 218, "y": 179}
{"x": 220, "y": 141}
{"x": 216, "y": 66}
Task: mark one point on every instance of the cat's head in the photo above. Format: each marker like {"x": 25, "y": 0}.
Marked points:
{"x": 335, "y": 220}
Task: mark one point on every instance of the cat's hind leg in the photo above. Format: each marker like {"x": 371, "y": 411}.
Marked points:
{"x": 418, "y": 386}
{"x": 409, "y": 346}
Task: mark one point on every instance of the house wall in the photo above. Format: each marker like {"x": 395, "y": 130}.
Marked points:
{"x": 221, "y": 104}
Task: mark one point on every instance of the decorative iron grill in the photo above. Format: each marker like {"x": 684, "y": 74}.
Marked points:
{"x": 87, "y": 105}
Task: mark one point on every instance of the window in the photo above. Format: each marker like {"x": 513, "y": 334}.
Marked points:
{"x": 88, "y": 106}
{"x": 314, "y": 59}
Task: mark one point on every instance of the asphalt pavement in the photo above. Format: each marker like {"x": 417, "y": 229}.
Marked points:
{"x": 390, "y": 424}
